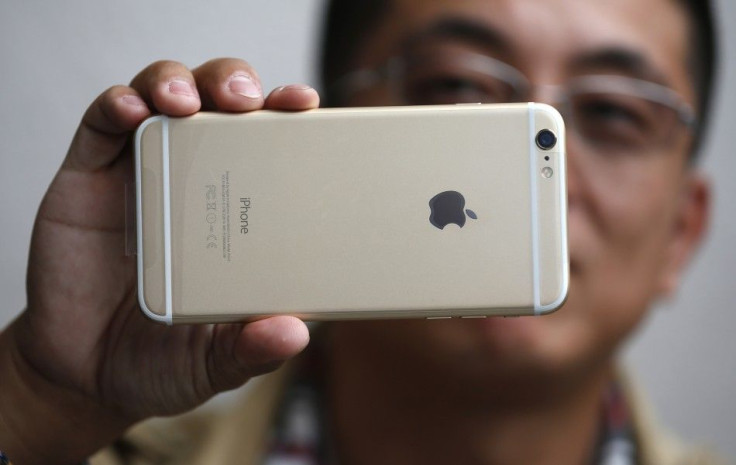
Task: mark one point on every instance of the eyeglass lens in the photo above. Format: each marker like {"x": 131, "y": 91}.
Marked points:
{"x": 612, "y": 114}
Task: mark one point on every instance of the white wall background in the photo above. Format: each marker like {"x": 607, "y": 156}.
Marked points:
{"x": 56, "y": 57}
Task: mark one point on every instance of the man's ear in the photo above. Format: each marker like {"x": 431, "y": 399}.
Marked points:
{"x": 690, "y": 226}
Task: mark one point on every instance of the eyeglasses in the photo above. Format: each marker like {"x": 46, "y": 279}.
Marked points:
{"x": 612, "y": 114}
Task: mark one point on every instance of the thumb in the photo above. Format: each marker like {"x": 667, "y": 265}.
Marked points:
{"x": 240, "y": 352}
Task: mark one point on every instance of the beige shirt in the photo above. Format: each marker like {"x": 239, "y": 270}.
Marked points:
{"x": 239, "y": 435}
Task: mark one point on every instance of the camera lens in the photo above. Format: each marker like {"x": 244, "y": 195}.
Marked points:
{"x": 546, "y": 139}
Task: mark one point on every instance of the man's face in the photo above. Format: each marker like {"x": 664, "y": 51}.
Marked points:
{"x": 628, "y": 215}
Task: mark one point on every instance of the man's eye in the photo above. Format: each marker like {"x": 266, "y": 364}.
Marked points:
{"x": 610, "y": 113}
{"x": 447, "y": 89}
{"x": 614, "y": 123}
{"x": 451, "y": 84}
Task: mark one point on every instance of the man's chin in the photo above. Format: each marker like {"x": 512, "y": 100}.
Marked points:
{"x": 545, "y": 342}
{"x": 505, "y": 334}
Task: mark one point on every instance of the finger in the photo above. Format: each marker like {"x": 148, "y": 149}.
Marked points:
{"x": 169, "y": 88}
{"x": 104, "y": 129}
{"x": 292, "y": 97}
{"x": 240, "y": 352}
{"x": 229, "y": 84}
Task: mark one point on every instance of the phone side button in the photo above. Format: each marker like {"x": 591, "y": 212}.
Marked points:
{"x": 439, "y": 317}
{"x": 472, "y": 317}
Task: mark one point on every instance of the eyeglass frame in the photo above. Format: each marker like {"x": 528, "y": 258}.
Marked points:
{"x": 394, "y": 69}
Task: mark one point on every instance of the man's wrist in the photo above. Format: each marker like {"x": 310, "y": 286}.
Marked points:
{"x": 41, "y": 422}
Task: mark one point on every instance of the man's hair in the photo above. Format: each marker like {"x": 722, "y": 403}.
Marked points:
{"x": 703, "y": 62}
{"x": 348, "y": 23}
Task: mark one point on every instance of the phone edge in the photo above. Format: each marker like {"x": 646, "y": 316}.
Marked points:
{"x": 167, "y": 317}
{"x": 539, "y": 308}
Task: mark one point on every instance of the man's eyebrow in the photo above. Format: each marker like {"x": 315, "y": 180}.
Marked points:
{"x": 619, "y": 59}
{"x": 459, "y": 28}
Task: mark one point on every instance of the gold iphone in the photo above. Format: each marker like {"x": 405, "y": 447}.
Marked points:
{"x": 356, "y": 213}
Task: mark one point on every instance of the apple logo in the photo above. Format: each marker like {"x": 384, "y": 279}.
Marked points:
{"x": 449, "y": 208}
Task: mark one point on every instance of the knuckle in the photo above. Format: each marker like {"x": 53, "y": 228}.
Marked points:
{"x": 229, "y": 61}
{"x": 228, "y": 65}
{"x": 115, "y": 91}
{"x": 165, "y": 65}
{"x": 157, "y": 70}
{"x": 107, "y": 98}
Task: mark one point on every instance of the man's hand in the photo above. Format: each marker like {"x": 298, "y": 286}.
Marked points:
{"x": 82, "y": 363}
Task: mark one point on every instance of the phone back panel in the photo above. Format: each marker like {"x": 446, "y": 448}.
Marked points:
{"x": 326, "y": 214}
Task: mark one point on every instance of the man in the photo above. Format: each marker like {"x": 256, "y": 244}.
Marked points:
{"x": 82, "y": 364}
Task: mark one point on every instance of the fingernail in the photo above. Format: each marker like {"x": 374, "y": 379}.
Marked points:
{"x": 179, "y": 87}
{"x": 245, "y": 86}
{"x": 295, "y": 87}
{"x": 133, "y": 100}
